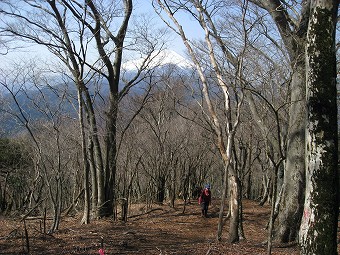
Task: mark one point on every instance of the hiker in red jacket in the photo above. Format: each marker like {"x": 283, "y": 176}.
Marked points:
{"x": 204, "y": 200}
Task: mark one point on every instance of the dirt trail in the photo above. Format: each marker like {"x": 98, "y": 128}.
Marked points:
{"x": 162, "y": 230}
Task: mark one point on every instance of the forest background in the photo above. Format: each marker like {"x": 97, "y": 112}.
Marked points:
{"x": 252, "y": 110}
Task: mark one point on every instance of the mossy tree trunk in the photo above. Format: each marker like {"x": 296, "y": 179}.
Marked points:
{"x": 318, "y": 230}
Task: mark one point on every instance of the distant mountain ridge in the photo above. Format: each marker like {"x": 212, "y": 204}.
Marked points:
{"x": 53, "y": 96}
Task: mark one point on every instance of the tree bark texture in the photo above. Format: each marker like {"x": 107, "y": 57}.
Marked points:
{"x": 318, "y": 230}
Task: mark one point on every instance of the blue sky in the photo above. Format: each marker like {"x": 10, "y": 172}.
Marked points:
{"x": 141, "y": 7}
{"x": 191, "y": 27}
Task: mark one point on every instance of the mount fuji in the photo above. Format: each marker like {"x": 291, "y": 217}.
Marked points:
{"x": 159, "y": 59}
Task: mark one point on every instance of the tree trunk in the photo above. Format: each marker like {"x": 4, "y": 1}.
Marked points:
{"x": 223, "y": 202}
{"x": 272, "y": 212}
{"x": 266, "y": 183}
{"x": 173, "y": 189}
{"x": 86, "y": 215}
{"x": 292, "y": 203}
{"x": 95, "y": 155}
{"x": 111, "y": 167}
{"x": 160, "y": 188}
{"x": 318, "y": 230}
{"x": 234, "y": 208}
{"x": 248, "y": 178}
{"x": 94, "y": 183}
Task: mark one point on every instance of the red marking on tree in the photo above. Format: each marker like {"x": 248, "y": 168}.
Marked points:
{"x": 306, "y": 213}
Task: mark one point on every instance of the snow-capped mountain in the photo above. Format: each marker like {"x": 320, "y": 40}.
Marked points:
{"x": 158, "y": 59}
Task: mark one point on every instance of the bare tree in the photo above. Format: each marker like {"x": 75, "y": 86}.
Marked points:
{"x": 224, "y": 129}
{"x": 15, "y": 170}
{"x": 51, "y": 160}
{"x": 74, "y": 28}
{"x": 170, "y": 163}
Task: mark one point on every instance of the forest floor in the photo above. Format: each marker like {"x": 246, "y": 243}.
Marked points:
{"x": 157, "y": 230}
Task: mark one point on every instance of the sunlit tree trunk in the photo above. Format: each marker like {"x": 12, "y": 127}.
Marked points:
{"x": 235, "y": 205}
{"x": 318, "y": 230}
